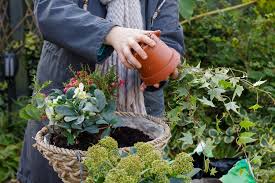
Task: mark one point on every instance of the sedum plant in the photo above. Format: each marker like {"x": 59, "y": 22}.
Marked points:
{"x": 81, "y": 107}
{"x": 144, "y": 164}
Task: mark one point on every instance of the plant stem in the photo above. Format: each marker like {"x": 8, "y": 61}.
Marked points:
{"x": 218, "y": 11}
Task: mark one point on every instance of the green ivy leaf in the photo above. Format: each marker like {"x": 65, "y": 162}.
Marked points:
{"x": 246, "y": 124}
{"x": 255, "y": 107}
{"x": 225, "y": 84}
{"x": 182, "y": 92}
{"x": 207, "y": 102}
{"x": 245, "y": 138}
{"x": 213, "y": 171}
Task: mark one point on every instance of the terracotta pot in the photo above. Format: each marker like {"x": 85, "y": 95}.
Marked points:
{"x": 160, "y": 64}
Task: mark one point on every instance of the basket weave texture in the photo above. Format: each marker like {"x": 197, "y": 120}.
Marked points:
{"x": 67, "y": 163}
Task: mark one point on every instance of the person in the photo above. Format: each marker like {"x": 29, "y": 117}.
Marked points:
{"x": 78, "y": 32}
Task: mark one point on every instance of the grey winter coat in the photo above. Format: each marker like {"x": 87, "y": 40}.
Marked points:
{"x": 74, "y": 37}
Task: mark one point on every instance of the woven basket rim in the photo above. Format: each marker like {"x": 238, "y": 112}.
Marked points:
{"x": 39, "y": 138}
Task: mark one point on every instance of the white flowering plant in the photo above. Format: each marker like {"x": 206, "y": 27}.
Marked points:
{"x": 80, "y": 107}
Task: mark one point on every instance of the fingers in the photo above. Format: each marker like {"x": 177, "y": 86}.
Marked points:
{"x": 143, "y": 86}
{"x": 134, "y": 45}
{"x": 156, "y": 85}
{"x": 147, "y": 40}
{"x": 124, "y": 61}
{"x": 175, "y": 74}
{"x": 130, "y": 58}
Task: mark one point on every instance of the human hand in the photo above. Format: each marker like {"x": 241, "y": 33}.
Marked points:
{"x": 174, "y": 75}
{"x": 126, "y": 39}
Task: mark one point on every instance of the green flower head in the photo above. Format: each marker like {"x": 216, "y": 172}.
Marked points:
{"x": 161, "y": 179}
{"x": 119, "y": 176}
{"x": 148, "y": 153}
{"x": 97, "y": 161}
{"x": 143, "y": 148}
{"x": 132, "y": 165}
{"x": 160, "y": 167}
{"x": 109, "y": 143}
{"x": 182, "y": 164}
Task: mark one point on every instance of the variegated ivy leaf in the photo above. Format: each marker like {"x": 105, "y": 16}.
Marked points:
{"x": 216, "y": 93}
{"x": 208, "y": 74}
{"x": 219, "y": 77}
{"x": 228, "y": 139}
{"x": 234, "y": 80}
{"x": 238, "y": 91}
{"x": 213, "y": 132}
{"x": 232, "y": 106}
{"x": 187, "y": 139}
{"x": 258, "y": 83}
{"x": 205, "y": 101}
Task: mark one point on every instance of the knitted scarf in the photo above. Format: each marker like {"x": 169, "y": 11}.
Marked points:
{"x": 125, "y": 13}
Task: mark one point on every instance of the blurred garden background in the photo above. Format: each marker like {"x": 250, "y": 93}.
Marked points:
{"x": 230, "y": 42}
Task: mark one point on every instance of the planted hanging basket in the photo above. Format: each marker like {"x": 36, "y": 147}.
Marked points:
{"x": 67, "y": 162}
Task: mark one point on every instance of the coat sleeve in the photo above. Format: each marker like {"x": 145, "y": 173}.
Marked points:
{"x": 65, "y": 24}
{"x": 168, "y": 22}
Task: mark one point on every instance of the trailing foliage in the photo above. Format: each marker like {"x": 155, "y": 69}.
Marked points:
{"x": 206, "y": 111}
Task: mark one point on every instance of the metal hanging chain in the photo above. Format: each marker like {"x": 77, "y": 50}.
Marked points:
{"x": 85, "y": 4}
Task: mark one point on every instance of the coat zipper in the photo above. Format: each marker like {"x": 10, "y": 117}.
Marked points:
{"x": 156, "y": 13}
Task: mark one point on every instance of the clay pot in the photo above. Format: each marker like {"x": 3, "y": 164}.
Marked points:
{"x": 160, "y": 63}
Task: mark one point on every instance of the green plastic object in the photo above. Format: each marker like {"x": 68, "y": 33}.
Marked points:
{"x": 240, "y": 173}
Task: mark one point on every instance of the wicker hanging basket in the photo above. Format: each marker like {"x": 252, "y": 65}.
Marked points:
{"x": 67, "y": 163}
